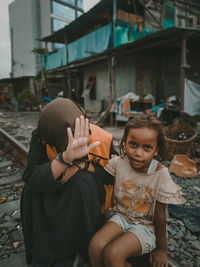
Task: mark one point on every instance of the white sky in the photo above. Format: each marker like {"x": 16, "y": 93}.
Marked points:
{"x": 5, "y": 59}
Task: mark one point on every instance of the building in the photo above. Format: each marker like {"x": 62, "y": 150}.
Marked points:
{"x": 31, "y": 20}
{"x": 119, "y": 46}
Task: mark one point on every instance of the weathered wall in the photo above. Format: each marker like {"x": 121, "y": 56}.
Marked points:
{"x": 29, "y": 21}
{"x": 187, "y": 13}
{"x": 171, "y": 76}
{"x": 125, "y": 75}
{"x": 22, "y": 38}
{"x": 100, "y": 69}
{"x": 45, "y": 11}
{"x": 141, "y": 74}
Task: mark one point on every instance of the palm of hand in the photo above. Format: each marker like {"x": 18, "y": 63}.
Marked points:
{"x": 78, "y": 145}
{"x": 78, "y": 148}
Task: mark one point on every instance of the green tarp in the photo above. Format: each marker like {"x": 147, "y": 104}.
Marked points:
{"x": 56, "y": 59}
{"x": 126, "y": 32}
{"x": 169, "y": 16}
{"x": 95, "y": 42}
{"x": 90, "y": 44}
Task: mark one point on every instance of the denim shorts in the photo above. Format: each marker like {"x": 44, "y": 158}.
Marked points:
{"x": 146, "y": 237}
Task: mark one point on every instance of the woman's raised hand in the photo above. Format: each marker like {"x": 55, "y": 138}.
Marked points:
{"x": 78, "y": 145}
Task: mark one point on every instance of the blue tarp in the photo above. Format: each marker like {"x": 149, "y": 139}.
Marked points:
{"x": 90, "y": 44}
{"x": 56, "y": 59}
{"x": 93, "y": 43}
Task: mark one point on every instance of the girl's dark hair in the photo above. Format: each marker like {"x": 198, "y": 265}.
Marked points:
{"x": 142, "y": 121}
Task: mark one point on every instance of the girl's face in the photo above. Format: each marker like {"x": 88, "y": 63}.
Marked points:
{"x": 141, "y": 146}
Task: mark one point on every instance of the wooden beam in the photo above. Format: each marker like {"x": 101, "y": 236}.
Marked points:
{"x": 111, "y": 69}
{"x": 69, "y": 91}
{"x": 183, "y": 63}
{"x": 114, "y": 19}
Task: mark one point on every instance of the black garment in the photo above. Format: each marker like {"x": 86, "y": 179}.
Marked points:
{"x": 58, "y": 219}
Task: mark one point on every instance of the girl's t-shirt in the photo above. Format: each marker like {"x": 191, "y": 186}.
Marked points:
{"x": 135, "y": 194}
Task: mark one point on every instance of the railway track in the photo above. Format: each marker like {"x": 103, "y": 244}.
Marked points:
{"x": 13, "y": 156}
{"x": 16, "y": 156}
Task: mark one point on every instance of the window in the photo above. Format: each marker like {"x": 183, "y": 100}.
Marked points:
{"x": 57, "y": 45}
{"x": 80, "y": 3}
{"x": 169, "y": 16}
{"x": 90, "y": 89}
{"x": 79, "y": 13}
{"x": 70, "y": 13}
{"x": 58, "y": 24}
{"x": 63, "y": 11}
{"x": 72, "y": 2}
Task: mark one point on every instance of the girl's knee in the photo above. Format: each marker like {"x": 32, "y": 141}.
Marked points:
{"x": 96, "y": 246}
{"x": 111, "y": 256}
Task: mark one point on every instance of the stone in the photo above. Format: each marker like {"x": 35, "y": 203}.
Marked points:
{"x": 16, "y": 215}
{"x": 15, "y": 235}
{"x": 14, "y": 261}
{"x": 10, "y": 179}
{"x": 196, "y": 245}
{"x": 9, "y": 207}
{"x": 197, "y": 262}
{"x": 8, "y": 224}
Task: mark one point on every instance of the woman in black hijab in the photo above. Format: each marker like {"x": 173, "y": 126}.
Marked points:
{"x": 60, "y": 215}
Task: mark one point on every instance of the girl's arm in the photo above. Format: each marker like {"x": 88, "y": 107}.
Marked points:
{"x": 158, "y": 257}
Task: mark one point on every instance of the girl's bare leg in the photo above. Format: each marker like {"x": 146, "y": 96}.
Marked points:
{"x": 105, "y": 235}
{"x": 116, "y": 253}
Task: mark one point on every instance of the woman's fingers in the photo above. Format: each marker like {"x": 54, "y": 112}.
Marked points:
{"x": 86, "y": 134}
{"x": 77, "y": 128}
{"x": 70, "y": 136}
{"x": 82, "y": 126}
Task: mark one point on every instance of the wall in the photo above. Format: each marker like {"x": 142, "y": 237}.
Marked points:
{"x": 29, "y": 21}
{"x": 45, "y": 11}
{"x": 142, "y": 74}
{"x": 102, "y": 86}
{"x": 187, "y": 12}
{"x": 125, "y": 75}
{"x": 20, "y": 14}
{"x": 171, "y": 75}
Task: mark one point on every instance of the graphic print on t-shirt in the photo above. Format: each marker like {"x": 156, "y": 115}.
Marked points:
{"x": 136, "y": 198}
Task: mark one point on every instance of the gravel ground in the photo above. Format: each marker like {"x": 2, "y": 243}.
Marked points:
{"x": 183, "y": 244}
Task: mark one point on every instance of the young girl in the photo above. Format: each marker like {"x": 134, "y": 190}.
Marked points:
{"x": 142, "y": 189}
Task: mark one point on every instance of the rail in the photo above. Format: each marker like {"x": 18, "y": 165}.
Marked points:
{"x": 20, "y": 149}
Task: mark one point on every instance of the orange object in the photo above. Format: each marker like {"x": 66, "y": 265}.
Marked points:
{"x": 103, "y": 150}
{"x": 183, "y": 166}
{"x": 126, "y": 106}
